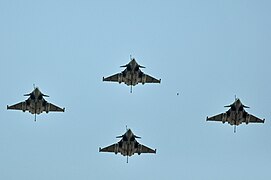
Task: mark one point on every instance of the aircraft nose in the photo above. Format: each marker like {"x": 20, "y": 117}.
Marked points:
{"x": 133, "y": 61}
{"x": 36, "y": 91}
{"x": 238, "y": 102}
{"x": 129, "y": 132}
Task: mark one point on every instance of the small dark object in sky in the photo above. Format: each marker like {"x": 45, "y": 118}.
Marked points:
{"x": 177, "y": 94}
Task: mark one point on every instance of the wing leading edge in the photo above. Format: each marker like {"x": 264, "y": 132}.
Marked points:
{"x": 218, "y": 117}
{"x": 223, "y": 118}
{"x": 254, "y": 119}
{"x": 110, "y": 148}
{"x": 113, "y": 78}
{"x": 54, "y": 108}
{"x": 116, "y": 149}
{"x": 148, "y": 79}
{"x": 144, "y": 149}
{"x": 19, "y": 106}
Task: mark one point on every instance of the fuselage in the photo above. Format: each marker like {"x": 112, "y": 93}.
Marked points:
{"x": 132, "y": 73}
{"x": 128, "y": 144}
{"x": 236, "y": 115}
{"x": 36, "y": 102}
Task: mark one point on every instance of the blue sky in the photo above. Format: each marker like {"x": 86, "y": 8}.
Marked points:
{"x": 208, "y": 51}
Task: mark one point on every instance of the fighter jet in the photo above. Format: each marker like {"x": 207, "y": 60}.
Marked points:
{"x": 236, "y": 115}
{"x": 127, "y": 146}
{"x": 36, "y": 104}
{"x": 132, "y": 75}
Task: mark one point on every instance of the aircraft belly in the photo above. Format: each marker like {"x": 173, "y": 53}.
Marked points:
{"x": 36, "y": 108}
{"x": 127, "y": 81}
{"x": 123, "y": 150}
{"x": 32, "y": 111}
{"x": 236, "y": 118}
{"x": 39, "y": 110}
{"x": 122, "y": 153}
{"x": 126, "y": 149}
{"x": 131, "y": 79}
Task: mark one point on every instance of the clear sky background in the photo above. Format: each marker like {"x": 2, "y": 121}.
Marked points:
{"x": 208, "y": 51}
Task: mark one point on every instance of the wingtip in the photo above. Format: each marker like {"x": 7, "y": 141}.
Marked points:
{"x": 103, "y": 78}
{"x": 7, "y": 107}
{"x": 100, "y": 149}
{"x": 160, "y": 80}
{"x": 207, "y": 118}
{"x": 155, "y": 151}
{"x": 64, "y": 109}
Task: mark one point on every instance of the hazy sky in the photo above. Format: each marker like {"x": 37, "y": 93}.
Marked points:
{"x": 208, "y": 51}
